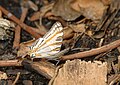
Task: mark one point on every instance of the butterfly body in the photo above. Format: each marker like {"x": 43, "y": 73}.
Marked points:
{"x": 49, "y": 45}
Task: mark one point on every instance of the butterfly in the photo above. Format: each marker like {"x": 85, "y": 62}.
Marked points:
{"x": 49, "y": 45}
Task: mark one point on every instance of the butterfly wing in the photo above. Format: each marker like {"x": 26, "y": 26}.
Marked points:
{"x": 50, "y": 44}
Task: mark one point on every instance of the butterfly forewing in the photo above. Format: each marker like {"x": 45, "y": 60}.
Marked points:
{"x": 50, "y": 44}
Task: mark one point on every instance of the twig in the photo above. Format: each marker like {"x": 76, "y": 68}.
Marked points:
{"x": 93, "y": 51}
{"x": 35, "y": 16}
{"x": 44, "y": 10}
{"x": 41, "y": 27}
{"x": 58, "y": 19}
{"x": 21, "y": 24}
{"x": 0, "y": 13}
{"x": 18, "y": 29}
{"x": 18, "y": 75}
{"x": 114, "y": 79}
{"x": 10, "y": 63}
{"x": 32, "y": 5}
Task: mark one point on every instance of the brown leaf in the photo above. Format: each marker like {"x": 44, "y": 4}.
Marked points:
{"x": 68, "y": 33}
{"x": 62, "y": 8}
{"x": 99, "y": 34}
{"x": 91, "y": 9}
{"x": 78, "y": 27}
{"x": 72, "y": 9}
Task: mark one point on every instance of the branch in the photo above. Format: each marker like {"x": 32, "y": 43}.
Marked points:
{"x": 10, "y": 63}
{"x": 93, "y": 51}
{"x": 21, "y": 24}
{"x": 18, "y": 28}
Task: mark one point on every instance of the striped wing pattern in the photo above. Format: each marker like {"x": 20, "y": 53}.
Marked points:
{"x": 49, "y": 45}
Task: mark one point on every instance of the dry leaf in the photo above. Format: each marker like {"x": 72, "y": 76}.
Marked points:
{"x": 89, "y": 32}
{"x": 91, "y": 9}
{"x": 78, "y": 27}
{"x": 62, "y": 8}
{"x": 106, "y": 2}
{"x": 99, "y": 34}
{"x": 68, "y": 33}
{"x": 72, "y": 9}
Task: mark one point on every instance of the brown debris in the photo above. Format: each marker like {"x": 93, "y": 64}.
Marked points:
{"x": 78, "y": 28}
{"x": 18, "y": 29}
{"x": 109, "y": 16}
{"x": 10, "y": 63}
{"x": 114, "y": 79}
{"x": 77, "y": 72}
{"x": 44, "y": 68}
{"x": 92, "y": 52}
{"x": 70, "y": 9}
{"x": 89, "y": 29}
{"x": 32, "y": 5}
{"x": 35, "y": 16}
{"x": 68, "y": 33}
{"x": 3, "y": 75}
{"x": 0, "y": 14}
{"x": 17, "y": 77}
{"x": 24, "y": 26}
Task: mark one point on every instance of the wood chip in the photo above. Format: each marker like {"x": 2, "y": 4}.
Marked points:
{"x": 77, "y": 72}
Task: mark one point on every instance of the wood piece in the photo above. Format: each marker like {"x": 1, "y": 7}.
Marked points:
{"x": 92, "y": 52}
{"x": 10, "y": 63}
{"x": 18, "y": 29}
{"x": 21, "y": 24}
{"x": 15, "y": 71}
{"x": 44, "y": 68}
{"x": 77, "y": 72}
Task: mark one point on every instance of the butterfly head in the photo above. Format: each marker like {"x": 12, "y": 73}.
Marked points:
{"x": 32, "y": 55}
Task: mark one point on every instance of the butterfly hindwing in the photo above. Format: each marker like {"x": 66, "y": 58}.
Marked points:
{"x": 50, "y": 44}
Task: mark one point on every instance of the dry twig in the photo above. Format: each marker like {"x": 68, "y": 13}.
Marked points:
{"x": 93, "y": 51}
{"x": 18, "y": 29}
{"x": 27, "y": 28}
{"x": 10, "y": 63}
{"x": 18, "y": 75}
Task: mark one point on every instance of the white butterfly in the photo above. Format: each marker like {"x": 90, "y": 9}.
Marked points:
{"x": 49, "y": 45}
